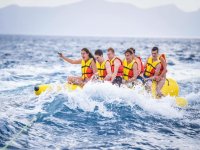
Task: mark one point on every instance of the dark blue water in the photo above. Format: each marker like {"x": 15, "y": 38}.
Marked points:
{"x": 101, "y": 116}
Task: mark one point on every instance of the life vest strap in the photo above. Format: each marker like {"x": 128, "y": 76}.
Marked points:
{"x": 100, "y": 69}
{"x": 102, "y": 76}
{"x": 127, "y": 68}
{"x": 84, "y": 66}
{"x": 151, "y": 65}
{"x": 148, "y": 72}
{"x": 86, "y": 73}
{"x": 126, "y": 75}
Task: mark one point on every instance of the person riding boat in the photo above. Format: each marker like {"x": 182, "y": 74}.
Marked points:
{"x": 88, "y": 67}
{"x": 116, "y": 67}
{"x": 138, "y": 60}
{"x": 130, "y": 68}
{"x": 153, "y": 71}
{"x": 103, "y": 66}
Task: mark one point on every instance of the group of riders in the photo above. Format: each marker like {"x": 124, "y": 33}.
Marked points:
{"x": 130, "y": 70}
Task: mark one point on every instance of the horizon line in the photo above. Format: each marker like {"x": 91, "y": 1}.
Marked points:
{"x": 105, "y": 36}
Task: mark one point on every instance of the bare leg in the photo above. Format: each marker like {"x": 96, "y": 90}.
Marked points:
{"x": 159, "y": 86}
{"x": 75, "y": 80}
{"x": 148, "y": 85}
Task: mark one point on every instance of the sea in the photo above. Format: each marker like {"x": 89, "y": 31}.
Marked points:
{"x": 101, "y": 115}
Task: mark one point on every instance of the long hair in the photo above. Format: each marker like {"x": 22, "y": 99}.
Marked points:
{"x": 88, "y": 52}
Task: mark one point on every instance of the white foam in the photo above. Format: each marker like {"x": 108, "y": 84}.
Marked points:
{"x": 109, "y": 94}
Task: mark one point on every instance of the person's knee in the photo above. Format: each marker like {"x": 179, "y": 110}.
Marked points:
{"x": 149, "y": 83}
{"x": 69, "y": 78}
{"x": 162, "y": 82}
{"x": 159, "y": 86}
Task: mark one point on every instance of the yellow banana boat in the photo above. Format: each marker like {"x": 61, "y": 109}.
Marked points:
{"x": 170, "y": 88}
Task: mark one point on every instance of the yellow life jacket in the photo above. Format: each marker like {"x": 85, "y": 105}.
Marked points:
{"x": 128, "y": 69}
{"x": 101, "y": 69}
{"x": 151, "y": 67}
{"x": 86, "y": 70}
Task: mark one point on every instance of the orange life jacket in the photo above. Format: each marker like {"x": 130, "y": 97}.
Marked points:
{"x": 120, "y": 70}
{"x": 164, "y": 57}
{"x": 87, "y": 71}
{"x": 142, "y": 66}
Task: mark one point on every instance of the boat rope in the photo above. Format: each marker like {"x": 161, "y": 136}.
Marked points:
{"x": 15, "y": 137}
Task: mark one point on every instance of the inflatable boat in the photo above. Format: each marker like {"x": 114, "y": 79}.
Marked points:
{"x": 170, "y": 88}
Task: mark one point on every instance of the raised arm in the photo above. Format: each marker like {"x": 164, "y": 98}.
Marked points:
{"x": 71, "y": 61}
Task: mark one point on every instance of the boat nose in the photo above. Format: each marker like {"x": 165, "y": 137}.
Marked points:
{"x": 36, "y": 88}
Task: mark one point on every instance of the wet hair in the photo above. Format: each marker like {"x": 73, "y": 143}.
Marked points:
{"x": 88, "y": 52}
{"x": 98, "y": 52}
{"x": 155, "y": 49}
{"x": 128, "y": 51}
{"x": 111, "y": 49}
{"x": 132, "y": 49}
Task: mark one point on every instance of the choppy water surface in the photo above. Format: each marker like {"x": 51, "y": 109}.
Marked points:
{"x": 101, "y": 116}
